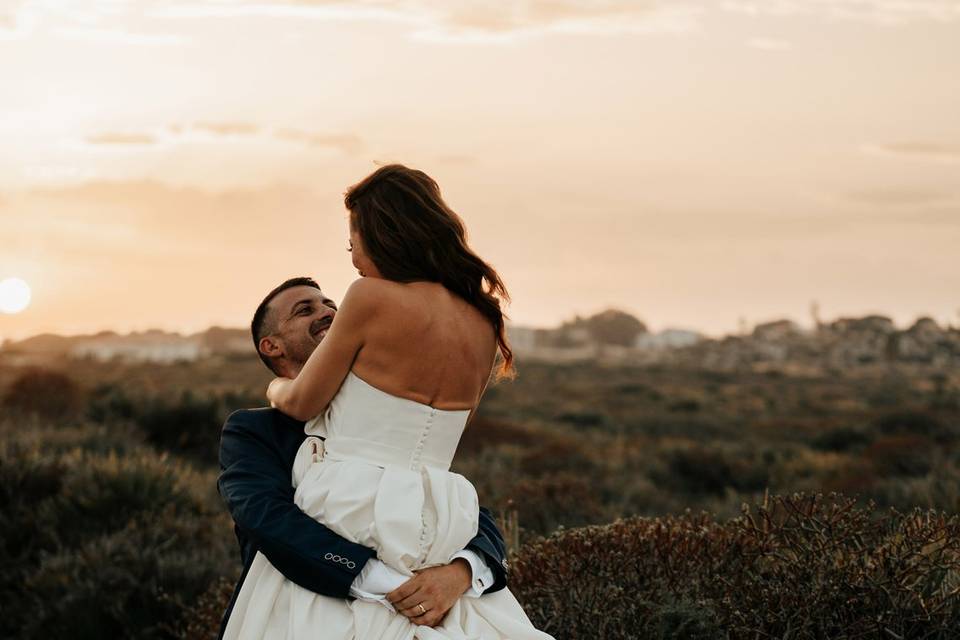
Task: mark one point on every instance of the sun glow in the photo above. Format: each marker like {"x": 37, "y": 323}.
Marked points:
{"x": 14, "y": 295}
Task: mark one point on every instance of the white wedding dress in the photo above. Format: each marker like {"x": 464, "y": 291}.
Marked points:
{"x": 380, "y": 479}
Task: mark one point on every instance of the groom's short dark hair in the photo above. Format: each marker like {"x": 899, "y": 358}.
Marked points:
{"x": 259, "y": 327}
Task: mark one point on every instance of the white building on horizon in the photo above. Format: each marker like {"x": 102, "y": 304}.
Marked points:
{"x": 160, "y": 348}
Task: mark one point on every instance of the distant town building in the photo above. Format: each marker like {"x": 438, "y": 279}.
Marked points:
{"x": 777, "y": 330}
{"x": 152, "y": 346}
{"x": 667, "y": 339}
{"x": 522, "y": 338}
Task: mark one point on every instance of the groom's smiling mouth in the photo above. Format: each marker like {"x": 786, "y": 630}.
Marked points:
{"x": 319, "y": 328}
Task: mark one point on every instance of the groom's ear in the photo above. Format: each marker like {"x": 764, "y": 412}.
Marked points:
{"x": 270, "y": 347}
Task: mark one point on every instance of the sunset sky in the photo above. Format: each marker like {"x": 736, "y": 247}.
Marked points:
{"x": 164, "y": 164}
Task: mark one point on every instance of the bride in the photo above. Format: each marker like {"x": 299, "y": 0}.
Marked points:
{"x": 390, "y": 390}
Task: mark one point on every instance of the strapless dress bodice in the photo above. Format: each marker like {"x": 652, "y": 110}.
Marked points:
{"x": 363, "y": 422}
{"x": 375, "y": 468}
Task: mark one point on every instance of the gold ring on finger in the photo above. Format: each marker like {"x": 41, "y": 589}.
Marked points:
{"x": 422, "y": 610}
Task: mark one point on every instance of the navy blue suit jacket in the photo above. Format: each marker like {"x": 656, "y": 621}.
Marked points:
{"x": 257, "y": 449}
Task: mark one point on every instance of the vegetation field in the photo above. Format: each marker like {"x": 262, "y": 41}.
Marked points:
{"x": 629, "y": 483}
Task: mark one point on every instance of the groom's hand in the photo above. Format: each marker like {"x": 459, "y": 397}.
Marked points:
{"x": 436, "y": 588}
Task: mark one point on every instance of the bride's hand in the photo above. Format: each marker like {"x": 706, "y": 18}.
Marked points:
{"x": 436, "y": 588}
{"x": 276, "y": 391}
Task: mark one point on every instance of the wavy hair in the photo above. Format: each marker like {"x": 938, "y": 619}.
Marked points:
{"x": 411, "y": 234}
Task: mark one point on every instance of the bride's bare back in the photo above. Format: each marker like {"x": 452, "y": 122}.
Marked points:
{"x": 412, "y": 340}
{"x": 428, "y": 345}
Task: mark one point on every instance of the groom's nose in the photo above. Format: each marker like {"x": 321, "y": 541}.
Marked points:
{"x": 326, "y": 311}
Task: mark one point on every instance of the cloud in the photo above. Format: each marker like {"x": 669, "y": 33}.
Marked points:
{"x": 570, "y": 16}
{"x": 878, "y": 11}
{"x": 95, "y": 21}
{"x": 456, "y": 21}
{"x": 121, "y": 139}
{"x": 117, "y": 36}
{"x": 918, "y": 150}
{"x": 228, "y": 128}
{"x": 346, "y": 142}
{"x": 465, "y": 20}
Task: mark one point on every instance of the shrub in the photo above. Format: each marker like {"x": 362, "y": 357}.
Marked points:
{"x": 556, "y": 455}
{"x": 801, "y": 566}
{"x": 940, "y": 489}
{"x": 840, "y": 439}
{"x": 201, "y": 621}
{"x": 27, "y": 478}
{"x": 699, "y": 470}
{"x": 685, "y": 620}
{"x": 583, "y": 419}
{"x": 685, "y": 405}
{"x": 556, "y": 499}
{"x": 133, "y": 583}
{"x": 189, "y": 425}
{"x": 484, "y": 432}
{"x": 699, "y": 426}
{"x": 109, "y": 403}
{"x": 48, "y": 394}
{"x": 900, "y": 455}
{"x": 98, "y": 545}
{"x": 99, "y": 495}
{"x": 916, "y": 423}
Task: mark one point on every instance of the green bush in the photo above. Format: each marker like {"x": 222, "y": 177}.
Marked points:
{"x": 900, "y": 455}
{"x": 109, "y": 403}
{"x": 685, "y": 620}
{"x": 840, "y": 439}
{"x": 133, "y": 583}
{"x": 201, "y": 620}
{"x": 48, "y": 394}
{"x": 188, "y": 425}
{"x": 557, "y": 455}
{"x": 699, "y": 470}
{"x": 915, "y": 423}
{"x": 484, "y": 432}
{"x": 556, "y": 499}
{"x": 583, "y": 419}
{"x": 100, "y": 545}
{"x": 802, "y": 567}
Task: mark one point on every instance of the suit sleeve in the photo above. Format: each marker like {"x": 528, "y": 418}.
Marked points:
{"x": 255, "y": 483}
{"x": 489, "y": 544}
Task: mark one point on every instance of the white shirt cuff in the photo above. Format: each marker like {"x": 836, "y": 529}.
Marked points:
{"x": 375, "y": 581}
{"x": 481, "y": 575}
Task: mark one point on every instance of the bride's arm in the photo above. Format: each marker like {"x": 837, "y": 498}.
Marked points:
{"x": 311, "y": 391}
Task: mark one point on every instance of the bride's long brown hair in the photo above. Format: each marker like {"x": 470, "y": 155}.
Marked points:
{"x": 411, "y": 234}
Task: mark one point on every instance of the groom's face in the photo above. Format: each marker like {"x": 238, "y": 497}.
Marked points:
{"x": 302, "y": 317}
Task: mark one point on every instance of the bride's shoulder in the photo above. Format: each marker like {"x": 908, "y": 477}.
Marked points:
{"x": 370, "y": 287}
{"x": 369, "y": 293}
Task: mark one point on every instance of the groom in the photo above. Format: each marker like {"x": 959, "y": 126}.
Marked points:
{"x": 257, "y": 449}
